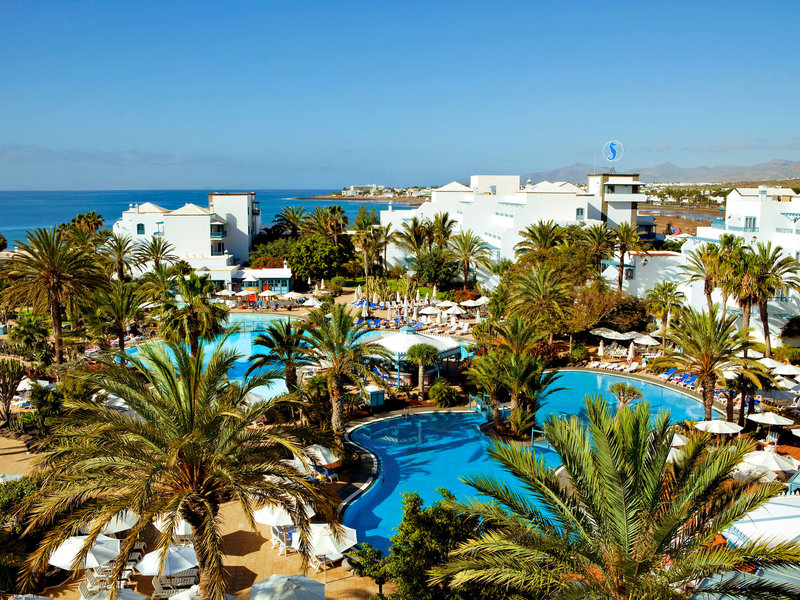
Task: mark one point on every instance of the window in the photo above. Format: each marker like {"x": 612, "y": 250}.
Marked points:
{"x": 628, "y": 274}
{"x": 611, "y": 189}
{"x": 579, "y": 214}
{"x": 750, "y": 222}
{"x": 493, "y": 189}
{"x": 140, "y": 229}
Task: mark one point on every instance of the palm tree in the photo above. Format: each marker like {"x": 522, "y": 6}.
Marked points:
{"x": 283, "y": 342}
{"x": 335, "y": 223}
{"x": 517, "y": 334}
{"x": 12, "y": 372}
{"x": 113, "y": 311}
{"x": 118, "y": 253}
{"x": 541, "y": 295}
{"x": 706, "y": 344}
{"x": 599, "y": 241}
{"x": 50, "y": 274}
{"x": 442, "y": 229}
{"x": 414, "y": 237}
{"x": 625, "y": 394}
{"x": 539, "y": 238}
{"x": 622, "y": 523}
{"x": 703, "y": 265}
{"x": 468, "y": 249}
{"x": 159, "y": 283}
{"x": 745, "y": 272}
{"x": 731, "y": 251}
{"x": 422, "y": 355}
{"x": 30, "y": 332}
{"x": 187, "y": 449}
{"x": 315, "y": 222}
{"x": 776, "y": 274}
{"x": 156, "y": 250}
{"x": 663, "y": 300}
{"x": 88, "y": 223}
{"x": 627, "y": 240}
{"x": 366, "y": 241}
{"x": 337, "y": 348}
{"x": 193, "y": 318}
{"x": 291, "y": 219}
{"x": 384, "y": 236}
{"x": 526, "y": 380}
{"x": 485, "y": 373}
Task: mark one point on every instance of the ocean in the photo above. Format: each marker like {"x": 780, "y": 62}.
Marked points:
{"x": 21, "y": 211}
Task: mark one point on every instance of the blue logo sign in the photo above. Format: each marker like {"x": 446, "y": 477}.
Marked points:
{"x": 613, "y": 150}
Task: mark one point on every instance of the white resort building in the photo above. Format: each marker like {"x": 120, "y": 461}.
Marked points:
{"x": 497, "y": 208}
{"x": 754, "y": 214}
{"x": 214, "y": 240}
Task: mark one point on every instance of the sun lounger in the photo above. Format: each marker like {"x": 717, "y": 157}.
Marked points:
{"x": 667, "y": 374}
{"x": 631, "y": 367}
{"x": 359, "y": 321}
{"x": 594, "y": 364}
{"x": 690, "y": 383}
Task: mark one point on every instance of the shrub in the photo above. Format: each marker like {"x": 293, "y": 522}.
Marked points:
{"x": 442, "y": 394}
{"x": 464, "y": 295}
{"x": 791, "y": 328}
{"x": 784, "y": 353}
{"x": 336, "y": 284}
{"x": 522, "y": 421}
{"x": 267, "y": 262}
{"x": 579, "y": 353}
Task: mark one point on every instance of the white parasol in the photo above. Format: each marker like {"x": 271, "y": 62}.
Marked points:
{"x": 770, "y": 460}
{"x": 178, "y": 558}
{"x": 105, "y": 549}
{"x": 718, "y": 426}
{"x": 788, "y": 370}
{"x": 769, "y": 418}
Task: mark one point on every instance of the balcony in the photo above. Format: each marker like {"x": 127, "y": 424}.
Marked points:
{"x": 218, "y": 253}
{"x": 787, "y": 230}
{"x": 720, "y": 224}
{"x": 218, "y": 235}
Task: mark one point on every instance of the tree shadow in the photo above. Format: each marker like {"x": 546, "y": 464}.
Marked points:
{"x": 239, "y": 578}
{"x": 242, "y": 543}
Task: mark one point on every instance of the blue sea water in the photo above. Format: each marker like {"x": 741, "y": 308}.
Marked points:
{"x": 22, "y": 211}
{"x": 425, "y": 452}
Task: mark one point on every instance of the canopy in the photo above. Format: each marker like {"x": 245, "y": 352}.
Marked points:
{"x": 181, "y": 527}
{"x": 324, "y": 542}
{"x": 322, "y": 456}
{"x": 769, "y": 418}
{"x": 777, "y": 520}
{"x": 430, "y": 310}
{"x": 267, "y": 294}
{"x": 122, "y": 521}
{"x": 483, "y": 300}
{"x": 250, "y": 278}
{"x": 770, "y": 460}
{"x": 455, "y": 310}
{"x": 288, "y": 587}
{"x": 788, "y": 370}
{"x": 750, "y": 353}
{"x": 312, "y": 303}
{"x": 770, "y": 363}
{"x": 646, "y": 340}
{"x": 471, "y": 303}
{"x": 292, "y": 295}
{"x": 225, "y": 292}
{"x": 718, "y": 426}
{"x": 745, "y": 471}
{"x": 398, "y": 343}
{"x": 179, "y": 558}
{"x": 278, "y": 516}
{"x": 446, "y": 304}
{"x": 122, "y": 594}
{"x": 679, "y": 440}
{"x": 105, "y": 549}
{"x": 299, "y": 466}
{"x": 244, "y": 293}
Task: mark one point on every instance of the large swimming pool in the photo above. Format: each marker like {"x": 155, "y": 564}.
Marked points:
{"x": 426, "y": 452}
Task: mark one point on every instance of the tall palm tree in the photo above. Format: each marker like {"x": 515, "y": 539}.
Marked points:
{"x": 541, "y": 295}
{"x": 90, "y": 222}
{"x": 50, "y": 274}
{"x": 118, "y": 253}
{"x": 517, "y": 334}
{"x": 703, "y": 265}
{"x": 627, "y": 240}
{"x": 539, "y": 238}
{"x": 337, "y": 347}
{"x": 422, "y": 355}
{"x": 526, "y": 381}
{"x": 187, "y": 449}
{"x": 384, "y": 236}
{"x": 485, "y": 373}
{"x": 414, "y": 237}
{"x": 315, "y": 222}
{"x": 599, "y": 241}
{"x": 663, "y": 299}
{"x": 156, "y": 250}
{"x": 336, "y": 223}
{"x": 285, "y": 352}
{"x": 290, "y": 219}
{"x": 706, "y": 344}
{"x": 366, "y": 241}
{"x": 776, "y": 274}
{"x": 12, "y": 372}
{"x": 194, "y": 317}
{"x": 468, "y": 249}
{"x": 745, "y": 292}
{"x": 731, "y": 251}
{"x": 158, "y": 284}
{"x": 442, "y": 229}
{"x": 113, "y": 311}
{"x": 628, "y": 525}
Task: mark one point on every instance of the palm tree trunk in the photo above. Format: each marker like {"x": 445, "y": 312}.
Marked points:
{"x": 763, "y": 310}
{"x": 745, "y": 306}
{"x": 621, "y": 269}
{"x": 709, "y": 383}
{"x": 55, "y": 317}
{"x": 366, "y": 265}
{"x": 337, "y": 426}
{"x": 729, "y": 406}
{"x": 290, "y": 377}
{"x": 742, "y": 410}
{"x": 421, "y": 375}
{"x": 709, "y": 289}
{"x": 498, "y": 418}
{"x": 121, "y": 340}
{"x": 664, "y": 330}
{"x": 724, "y": 304}
{"x": 514, "y": 404}
{"x": 204, "y": 562}
{"x": 465, "y": 271}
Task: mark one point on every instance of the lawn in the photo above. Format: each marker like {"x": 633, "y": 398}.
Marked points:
{"x": 353, "y": 283}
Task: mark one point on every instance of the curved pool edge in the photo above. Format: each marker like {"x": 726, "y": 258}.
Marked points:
{"x": 376, "y": 461}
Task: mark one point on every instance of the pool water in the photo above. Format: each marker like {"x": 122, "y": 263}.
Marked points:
{"x": 425, "y": 452}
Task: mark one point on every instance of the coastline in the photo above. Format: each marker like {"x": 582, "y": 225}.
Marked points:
{"x": 416, "y": 201}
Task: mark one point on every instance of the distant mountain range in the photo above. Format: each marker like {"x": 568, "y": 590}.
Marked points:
{"x": 670, "y": 173}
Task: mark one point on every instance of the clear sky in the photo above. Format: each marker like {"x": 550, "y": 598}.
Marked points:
{"x": 170, "y": 94}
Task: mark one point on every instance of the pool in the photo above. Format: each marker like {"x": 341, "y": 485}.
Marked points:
{"x": 425, "y": 452}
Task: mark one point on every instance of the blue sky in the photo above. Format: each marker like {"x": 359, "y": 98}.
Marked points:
{"x": 117, "y": 95}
